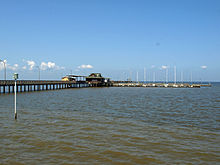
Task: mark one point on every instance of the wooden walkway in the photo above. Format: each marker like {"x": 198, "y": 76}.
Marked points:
{"x": 35, "y": 85}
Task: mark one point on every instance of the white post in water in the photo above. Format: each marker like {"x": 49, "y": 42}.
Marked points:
{"x": 15, "y": 78}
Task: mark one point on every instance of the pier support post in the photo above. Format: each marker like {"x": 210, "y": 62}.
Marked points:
{"x": 4, "y": 89}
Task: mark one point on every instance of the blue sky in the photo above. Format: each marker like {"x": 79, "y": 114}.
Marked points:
{"x": 116, "y": 37}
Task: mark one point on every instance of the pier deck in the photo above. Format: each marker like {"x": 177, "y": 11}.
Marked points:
{"x": 7, "y": 86}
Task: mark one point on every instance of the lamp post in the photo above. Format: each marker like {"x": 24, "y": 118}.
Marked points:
{"x": 4, "y": 67}
{"x": 15, "y": 78}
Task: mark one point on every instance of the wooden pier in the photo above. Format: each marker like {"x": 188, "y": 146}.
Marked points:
{"x": 7, "y": 86}
{"x": 35, "y": 85}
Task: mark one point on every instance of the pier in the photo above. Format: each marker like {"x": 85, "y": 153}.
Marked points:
{"x": 69, "y": 81}
{"x": 7, "y": 86}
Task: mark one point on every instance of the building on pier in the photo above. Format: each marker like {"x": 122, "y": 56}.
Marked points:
{"x": 73, "y": 78}
{"x": 68, "y": 78}
{"x": 96, "y": 78}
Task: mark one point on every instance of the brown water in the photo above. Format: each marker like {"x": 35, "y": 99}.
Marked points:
{"x": 112, "y": 126}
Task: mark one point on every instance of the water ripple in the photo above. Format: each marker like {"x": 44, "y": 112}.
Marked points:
{"x": 112, "y": 126}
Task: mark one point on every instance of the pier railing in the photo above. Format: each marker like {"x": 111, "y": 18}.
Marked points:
{"x": 37, "y": 82}
{"x": 7, "y": 86}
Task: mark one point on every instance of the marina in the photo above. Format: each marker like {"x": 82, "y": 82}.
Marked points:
{"x": 159, "y": 85}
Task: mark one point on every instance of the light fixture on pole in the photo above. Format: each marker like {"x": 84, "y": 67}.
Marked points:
{"x": 15, "y": 89}
{"x": 4, "y": 67}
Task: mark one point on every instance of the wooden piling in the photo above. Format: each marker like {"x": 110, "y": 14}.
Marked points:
{"x": 3, "y": 89}
{"x": 9, "y": 89}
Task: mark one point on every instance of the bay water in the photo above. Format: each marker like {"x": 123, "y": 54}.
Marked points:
{"x": 112, "y": 125}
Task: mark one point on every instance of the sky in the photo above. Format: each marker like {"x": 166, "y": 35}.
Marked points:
{"x": 118, "y": 38}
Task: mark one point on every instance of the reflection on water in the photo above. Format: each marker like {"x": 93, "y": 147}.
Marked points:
{"x": 112, "y": 126}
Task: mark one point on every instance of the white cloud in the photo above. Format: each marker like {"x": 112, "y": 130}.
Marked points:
{"x": 164, "y": 67}
{"x": 13, "y": 67}
{"x": 8, "y": 66}
{"x": 85, "y": 66}
{"x": 203, "y": 66}
{"x": 31, "y": 64}
{"x": 50, "y": 65}
{"x": 24, "y": 67}
{"x": 43, "y": 66}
